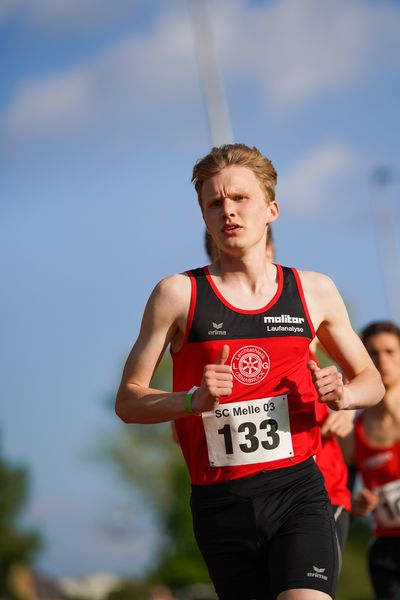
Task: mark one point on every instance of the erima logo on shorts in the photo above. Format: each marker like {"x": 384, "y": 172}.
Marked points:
{"x": 318, "y": 573}
{"x": 284, "y": 319}
{"x": 217, "y": 329}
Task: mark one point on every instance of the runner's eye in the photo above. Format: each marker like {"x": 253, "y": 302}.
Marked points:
{"x": 216, "y": 203}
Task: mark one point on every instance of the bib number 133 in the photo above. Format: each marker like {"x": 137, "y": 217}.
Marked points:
{"x": 252, "y": 443}
{"x": 248, "y": 432}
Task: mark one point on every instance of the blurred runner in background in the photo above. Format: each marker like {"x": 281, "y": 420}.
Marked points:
{"x": 375, "y": 449}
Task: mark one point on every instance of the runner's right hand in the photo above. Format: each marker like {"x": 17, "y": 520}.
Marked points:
{"x": 217, "y": 381}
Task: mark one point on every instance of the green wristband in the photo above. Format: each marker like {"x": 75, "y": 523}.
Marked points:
{"x": 187, "y": 404}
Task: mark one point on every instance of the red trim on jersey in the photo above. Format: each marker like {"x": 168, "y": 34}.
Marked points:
{"x": 193, "y": 297}
{"x": 303, "y": 299}
{"x": 192, "y": 306}
{"x": 242, "y": 310}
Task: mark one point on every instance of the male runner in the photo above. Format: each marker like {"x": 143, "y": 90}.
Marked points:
{"x": 334, "y": 425}
{"x": 377, "y": 459}
{"x": 244, "y": 391}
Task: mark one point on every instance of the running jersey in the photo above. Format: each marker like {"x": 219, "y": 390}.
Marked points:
{"x": 269, "y": 420}
{"x": 331, "y": 463}
{"x": 380, "y": 470}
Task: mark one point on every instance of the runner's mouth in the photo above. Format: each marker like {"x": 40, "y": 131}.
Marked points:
{"x": 230, "y": 228}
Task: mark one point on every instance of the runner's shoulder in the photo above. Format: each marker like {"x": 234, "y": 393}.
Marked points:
{"x": 317, "y": 284}
{"x": 172, "y": 292}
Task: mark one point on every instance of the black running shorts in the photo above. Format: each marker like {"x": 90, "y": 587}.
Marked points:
{"x": 267, "y": 533}
{"x": 384, "y": 567}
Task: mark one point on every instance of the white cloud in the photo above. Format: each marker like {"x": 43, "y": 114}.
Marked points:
{"x": 297, "y": 50}
{"x": 8, "y": 8}
{"x": 55, "y": 104}
{"x": 312, "y": 182}
{"x": 47, "y": 15}
{"x": 136, "y": 76}
{"x": 294, "y": 50}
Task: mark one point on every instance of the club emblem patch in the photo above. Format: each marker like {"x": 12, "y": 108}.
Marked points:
{"x": 250, "y": 365}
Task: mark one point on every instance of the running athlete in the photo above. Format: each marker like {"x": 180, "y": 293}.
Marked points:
{"x": 377, "y": 459}
{"x": 244, "y": 391}
{"x": 334, "y": 425}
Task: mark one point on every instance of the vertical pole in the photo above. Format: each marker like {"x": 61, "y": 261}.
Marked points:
{"x": 210, "y": 76}
{"x": 385, "y": 228}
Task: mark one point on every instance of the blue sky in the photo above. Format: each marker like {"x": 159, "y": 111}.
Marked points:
{"x": 101, "y": 120}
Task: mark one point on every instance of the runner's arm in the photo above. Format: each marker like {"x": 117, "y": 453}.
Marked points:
{"x": 339, "y": 423}
{"x": 136, "y": 402}
{"x": 164, "y": 318}
{"x": 347, "y": 445}
{"x": 329, "y": 315}
{"x": 364, "y": 502}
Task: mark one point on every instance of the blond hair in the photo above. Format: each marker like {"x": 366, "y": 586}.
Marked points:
{"x": 239, "y": 155}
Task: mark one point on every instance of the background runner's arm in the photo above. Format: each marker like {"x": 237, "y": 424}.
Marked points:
{"x": 338, "y": 423}
{"x": 364, "y": 502}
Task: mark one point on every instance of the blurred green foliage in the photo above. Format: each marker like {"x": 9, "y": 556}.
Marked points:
{"x": 17, "y": 546}
{"x": 147, "y": 458}
{"x": 131, "y": 591}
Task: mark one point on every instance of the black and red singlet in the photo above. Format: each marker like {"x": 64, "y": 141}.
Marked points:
{"x": 269, "y": 420}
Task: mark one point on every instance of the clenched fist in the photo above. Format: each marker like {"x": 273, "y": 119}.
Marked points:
{"x": 328, "y": 382}
{"x": 217, "y": 381}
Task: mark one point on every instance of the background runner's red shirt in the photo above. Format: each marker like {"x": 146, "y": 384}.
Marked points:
{"x": 269, "y": 350}
{"x": 380, "y": 467}
{"x": 331, "y": 463}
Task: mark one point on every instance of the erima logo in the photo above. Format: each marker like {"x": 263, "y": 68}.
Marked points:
{"x": 217, "y": 329}
{"x": 319, "y": 570}
{"x": 284, "y": 319}
{"x": 318, "y": 573}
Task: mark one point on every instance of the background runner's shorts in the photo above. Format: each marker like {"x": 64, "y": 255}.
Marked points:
{"x": 342, "y": 521}
{"x": 267, "y": 533}
{"x": 384, "y": 566}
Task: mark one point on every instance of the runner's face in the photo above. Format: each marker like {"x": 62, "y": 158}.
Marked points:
{"x": 235, "y": 209}
{"x": 384, "y": 349}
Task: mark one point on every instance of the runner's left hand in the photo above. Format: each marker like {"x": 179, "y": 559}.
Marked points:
{"x": 328, "y": 382}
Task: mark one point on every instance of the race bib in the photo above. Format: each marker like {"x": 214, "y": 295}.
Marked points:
{"x": 388, "y": 509}
{"x": 248, "y": 432}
